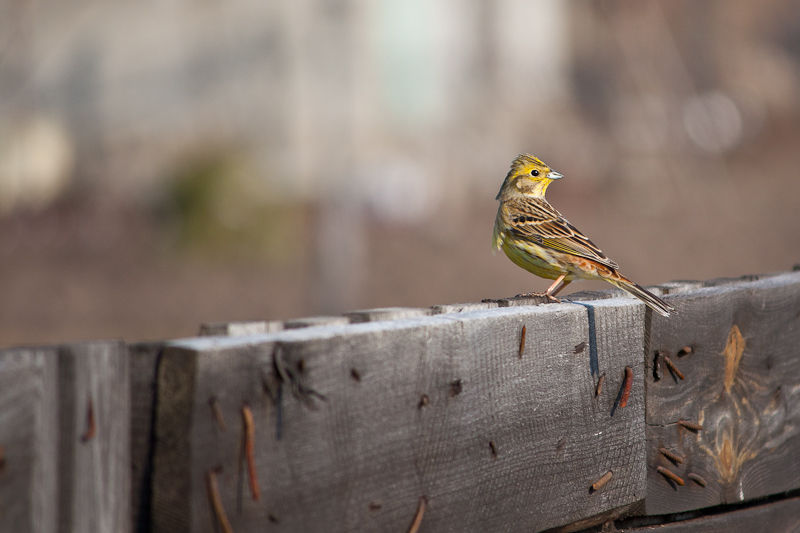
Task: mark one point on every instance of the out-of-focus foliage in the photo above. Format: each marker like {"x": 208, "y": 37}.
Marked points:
{"x": 214, "y": 205}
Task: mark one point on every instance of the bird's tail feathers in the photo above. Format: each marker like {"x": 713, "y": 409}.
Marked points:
{"x": 651, "y": 300}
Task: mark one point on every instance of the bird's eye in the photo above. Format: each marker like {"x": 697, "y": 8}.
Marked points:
{"x": 534, "y": 172}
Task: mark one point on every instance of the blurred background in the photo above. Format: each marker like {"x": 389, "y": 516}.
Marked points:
{"x": 164, "y": 164}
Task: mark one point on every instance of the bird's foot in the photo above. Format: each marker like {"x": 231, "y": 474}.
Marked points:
{"x": 539, "y": 295}
{"x": 529, "y": 295}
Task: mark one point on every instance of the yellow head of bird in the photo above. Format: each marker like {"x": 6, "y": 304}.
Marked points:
{"x": 529, "y": 176}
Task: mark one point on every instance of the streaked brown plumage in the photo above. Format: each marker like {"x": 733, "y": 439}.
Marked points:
{"x": 539, "y": 239}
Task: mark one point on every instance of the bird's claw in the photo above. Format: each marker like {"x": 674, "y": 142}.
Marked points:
{"x": 539, "y": 295}
{"x": 529, "y": 295}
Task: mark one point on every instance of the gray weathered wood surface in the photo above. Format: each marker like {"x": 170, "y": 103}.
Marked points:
{"x": 386, "y": 313}
{"x": 28, "y": 436}
{"x": 359, "y": 416}
{"x": 458, "y": 308}
{"x": 742, "y": 383}
{"x": 312, "y": 321}
{"x": 498, "y": 442}
{"x": 236, "y": 329}
{"x": 59, "y": 471}
{"x": 94, "y": 458}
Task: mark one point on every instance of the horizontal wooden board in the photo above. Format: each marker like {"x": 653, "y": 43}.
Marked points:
{"x": 716, "y": 282}
{"x": 518, "y": 301}
{"x": 313, "y": 321}
{"x": 446, "y": 403}
{"x": 460, "y": 308}
{"x": 442, "y": 407}
{"x": 742, "y": 383}
{"x": 583, "y": 296}
{"x": 235, "y": 329}
{"x": 776, "y": 517}
{"x": 386, "y": 313}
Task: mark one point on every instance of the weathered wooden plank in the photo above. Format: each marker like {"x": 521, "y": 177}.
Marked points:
{"x": 615, "y": 340}
{"x": 586, "y": 296}
{"x": 679, "y": 286}
{"x": 313, "y": 321}
{"x": 386, "y": 313}
{"x": 437, "y": 406}
{"x": 716, "y": 282}
{"x": 29, "y": 440}
{"x": 94, "y": 441}
{"x": 460, "y": 308}
{"x": 172, "y": 451}
{"x": 662, "y": 289}
{"x": 517, "y": 301}
{"x": 143, "y": 365}
{"x": 776, "y": 517}
{"x": 742, "y": 383}
{"x": 235, "y": 329}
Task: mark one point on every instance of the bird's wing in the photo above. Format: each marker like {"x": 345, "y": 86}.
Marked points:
{"x": 536, "y": 219}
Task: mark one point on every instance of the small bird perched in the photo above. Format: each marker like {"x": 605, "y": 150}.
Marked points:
{"x": 536, "y": 237}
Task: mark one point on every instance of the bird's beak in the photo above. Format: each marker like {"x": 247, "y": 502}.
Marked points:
{"x": 553, "y": 175}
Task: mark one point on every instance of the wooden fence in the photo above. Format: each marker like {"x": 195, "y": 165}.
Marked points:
{"x": 501, "y": 415}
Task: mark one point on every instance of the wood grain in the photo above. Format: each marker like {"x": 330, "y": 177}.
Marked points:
{"x": 405, "y": 404}
{"x": 742, "y": 384}
{"x": 679, "y": 286}
{"x": 662, "y": 289}
{"x": 460, "y": 308}
{"x": 517, "y": 301}
{"x": 29, "y": 437}
{"x": 94, "y": 489}
{"x": 585, "y": 296}
{"x": 171, "y": 454}
{"x": 716, "y": 282}
{"x": 373, "y": 440}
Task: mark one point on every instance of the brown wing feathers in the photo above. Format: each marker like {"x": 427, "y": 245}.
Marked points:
{"x": 536, "y": 219}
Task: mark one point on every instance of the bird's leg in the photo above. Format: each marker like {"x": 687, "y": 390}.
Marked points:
{"x": 551, "y": 292}
{"x": 557, "y": 286}
{"x": 554, "y": 289}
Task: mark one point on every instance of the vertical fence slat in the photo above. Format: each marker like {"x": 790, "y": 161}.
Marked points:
{"x": 29, "y": 440}
{"x": 172, "y": 450}
{"x": 94, "y": 458}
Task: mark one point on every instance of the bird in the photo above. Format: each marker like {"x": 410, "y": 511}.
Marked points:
{"x": 539, "y": 239}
